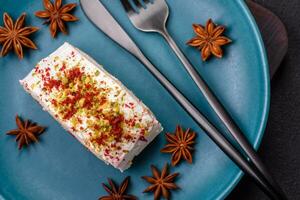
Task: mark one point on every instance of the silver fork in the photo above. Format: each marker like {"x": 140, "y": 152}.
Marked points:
{"x": 151, "y": 16}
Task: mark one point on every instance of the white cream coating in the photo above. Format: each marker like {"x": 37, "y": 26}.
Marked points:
{"x": 32, "y": 84}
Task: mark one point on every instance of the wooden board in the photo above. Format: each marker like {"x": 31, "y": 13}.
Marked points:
{"x": 273, "y": 32}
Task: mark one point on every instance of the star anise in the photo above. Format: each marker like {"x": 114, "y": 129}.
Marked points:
{"x": 209, "y": 39}
{"x": 180, "y": 145}
{"x": 15, "y": 35}
{"x": 117, "y": 193}
{"x": 56, "y": 15}
{"x": 162, "y": 182}
{"x": 26, "y": 132}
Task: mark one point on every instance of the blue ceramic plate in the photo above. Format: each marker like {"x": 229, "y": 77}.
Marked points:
{"x": 59, "y": 167}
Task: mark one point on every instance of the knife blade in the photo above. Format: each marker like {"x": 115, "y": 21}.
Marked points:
{"x": 96, "y": 12}
{"x": 100, "y": 16}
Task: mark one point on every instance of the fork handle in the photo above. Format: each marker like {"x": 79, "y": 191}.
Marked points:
{"x": 223, "y": 114}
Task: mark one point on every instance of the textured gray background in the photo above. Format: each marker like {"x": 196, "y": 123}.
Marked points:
{"x": 280, "y": 148}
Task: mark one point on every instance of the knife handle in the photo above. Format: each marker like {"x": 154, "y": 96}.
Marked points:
{"x": 211, "y": 131}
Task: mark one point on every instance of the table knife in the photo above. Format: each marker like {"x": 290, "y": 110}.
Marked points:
{"x": 99, "y": 15}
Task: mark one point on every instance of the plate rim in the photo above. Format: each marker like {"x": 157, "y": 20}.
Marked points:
{"x": 265, "y": 113}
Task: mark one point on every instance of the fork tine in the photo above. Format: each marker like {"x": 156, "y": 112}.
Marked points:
{"x": 127, "y": 6}
{"x": 138, "y": 4}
